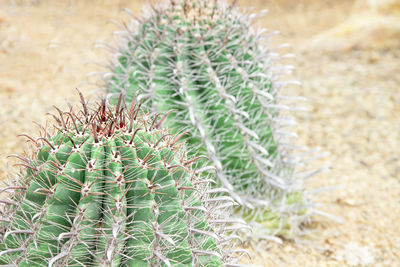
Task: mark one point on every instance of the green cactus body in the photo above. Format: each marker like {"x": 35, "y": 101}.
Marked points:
{"x": 202, "y": 59}
{"x": 110, "y": 188}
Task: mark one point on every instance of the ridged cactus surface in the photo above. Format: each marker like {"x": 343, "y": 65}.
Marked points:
{"x": 204, "y": 60}
{"x": 110, "y": 188}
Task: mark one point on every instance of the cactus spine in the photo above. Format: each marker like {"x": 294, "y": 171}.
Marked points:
{"x": 203, "y": 59}
{"x": 110, "y": 188}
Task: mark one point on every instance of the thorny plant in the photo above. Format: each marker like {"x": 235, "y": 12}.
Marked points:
{"x": 205, "y": 60}
{"x": 107, "y": 186}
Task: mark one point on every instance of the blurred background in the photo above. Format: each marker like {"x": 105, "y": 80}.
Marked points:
{"x": 347, "y": 57}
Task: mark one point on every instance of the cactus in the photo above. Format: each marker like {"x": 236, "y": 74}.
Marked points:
{"x": 108, "y": 187}
{"x": 203, "y": 59}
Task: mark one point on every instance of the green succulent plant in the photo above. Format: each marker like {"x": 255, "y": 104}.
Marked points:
{"x": 204, "y": 60}
{"x": 109, "y": 187}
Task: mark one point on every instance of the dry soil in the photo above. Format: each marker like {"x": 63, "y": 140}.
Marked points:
{"x": 353, "y": 91}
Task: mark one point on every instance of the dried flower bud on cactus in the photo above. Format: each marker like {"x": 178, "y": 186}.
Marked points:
{"x": 203, "y": 59}
{"x": 108, "y": 187}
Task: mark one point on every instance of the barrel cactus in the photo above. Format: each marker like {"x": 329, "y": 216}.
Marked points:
{"x": 204, "y": 60}
{"x": 108, "y": 187}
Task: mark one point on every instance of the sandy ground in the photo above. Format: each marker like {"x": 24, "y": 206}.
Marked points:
{"x": 46, "y": 51}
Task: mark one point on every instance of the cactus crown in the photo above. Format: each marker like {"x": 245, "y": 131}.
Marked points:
{"x": 203, "y": 59}
{"x": 108, "y": 187}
